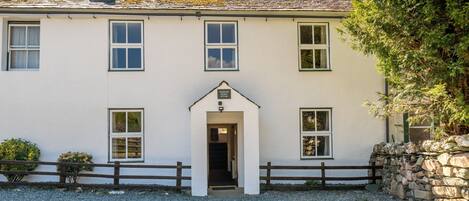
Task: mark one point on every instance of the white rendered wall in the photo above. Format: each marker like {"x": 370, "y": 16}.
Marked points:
{"x": 64, "y": 106}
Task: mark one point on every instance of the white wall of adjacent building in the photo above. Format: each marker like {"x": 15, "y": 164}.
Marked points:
{"x": 64, "y": 105}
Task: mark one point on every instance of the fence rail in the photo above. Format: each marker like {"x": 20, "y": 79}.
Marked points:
{"x": 116, "y": 176}
{"x": 323, "y": 178}
{"x": 178, "y": 176}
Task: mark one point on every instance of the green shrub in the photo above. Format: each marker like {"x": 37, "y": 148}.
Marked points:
{"x": 312, "y": 183}
{"x": 18, "y": 149}
{"x": 73, "y": 170}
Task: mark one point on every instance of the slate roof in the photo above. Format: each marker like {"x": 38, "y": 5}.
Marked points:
{"x": 222, "y": 5}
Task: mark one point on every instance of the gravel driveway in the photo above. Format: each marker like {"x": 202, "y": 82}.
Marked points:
{"x": 36, "y": 194}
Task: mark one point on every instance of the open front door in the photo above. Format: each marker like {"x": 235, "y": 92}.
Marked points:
{"x": 222, "y": 148}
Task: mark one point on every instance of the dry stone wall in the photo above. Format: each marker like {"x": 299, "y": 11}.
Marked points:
{"x": 434, "y": 170}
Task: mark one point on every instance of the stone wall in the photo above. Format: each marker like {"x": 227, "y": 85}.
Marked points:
{"x": 434, "y": 170}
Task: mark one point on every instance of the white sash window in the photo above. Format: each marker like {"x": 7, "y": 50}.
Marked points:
{"x": 221, "y": 46}
{"x": 126, "y": 45}
{"x": 23, "y": 46}
{"x": 316, "y": 133}
{"x": 126, "y": 135}
{"x": 313, "y": 46}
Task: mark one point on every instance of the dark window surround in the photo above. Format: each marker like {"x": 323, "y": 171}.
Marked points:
{"x": 205, "y": 46}
{"x": 109, "y": 45}
{"x": 7, "y": 67}
{"x": 301, "y": 140}
{"x": 328, "y": 48}
{"x": 109, "y": 110}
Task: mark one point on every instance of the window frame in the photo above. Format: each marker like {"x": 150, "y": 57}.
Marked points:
{"x": 126, "y": 135}
{"x": 314, "y": 46}
{"x": 127, "y": 45}
{"x": 26, "y": 47}
{"x": 408, "y": 127}
{"x": 221, "y": 46}
{"x": 316, "y": 133}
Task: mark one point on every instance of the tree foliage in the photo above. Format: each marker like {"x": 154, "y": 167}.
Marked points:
{"x": 422, "y": 47}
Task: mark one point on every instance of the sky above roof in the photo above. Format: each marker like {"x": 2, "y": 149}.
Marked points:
{"x": 248, "y": 5}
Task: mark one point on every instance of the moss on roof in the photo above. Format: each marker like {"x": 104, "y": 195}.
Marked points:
{"x": 304, "y": 5}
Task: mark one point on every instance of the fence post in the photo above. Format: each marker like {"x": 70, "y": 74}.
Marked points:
{"x": 62, "y": 176}
{"x": 116, "y": 174}
{"x": 373, "y": 172}
{"x": 178, "y": 176}
{"x": 269, "y": 164}
{"x": 323, "y": 176}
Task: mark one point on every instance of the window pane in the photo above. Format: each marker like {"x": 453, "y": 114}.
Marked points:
{"x": 418, "y": 135}
{"x": 223, "y": 130}
{"x": 118, "y": 33}
{"x": 323, "y": 145}
{"x": 320, "y": 34}
{"x": 228, "y": 31}
{"x": 18, "y": 59}
{"x": 118, "y": 57}
{"x": 214, "y": 58}
{"x": 309, "y": 146}
{"x": 33, "y": 59}
{"x": 309, "y": 121}
{"x": 118, "y": 148}
{"x": 320, "y": 58}
{"x": 135, "y": 32}
{"x": 135, "y": 121}
{"x": 323, "y": 121}
{"x": 307, "y": 59}
{"x": 18, "y": 36}
{"x": 33, "y": 36}
{"x": 213, "y": 31}
{"x": 229, "y": 58}
{"x": 135, "y": 57}
{"x": 306, "y": 34}
{"x": 118, "y": 122}
{"x": 134, "y": 149}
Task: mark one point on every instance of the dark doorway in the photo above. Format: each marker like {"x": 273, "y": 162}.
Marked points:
{"x": 222, "y": 155}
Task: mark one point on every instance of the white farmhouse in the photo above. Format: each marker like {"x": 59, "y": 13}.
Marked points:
{"x": 223, "y": 86}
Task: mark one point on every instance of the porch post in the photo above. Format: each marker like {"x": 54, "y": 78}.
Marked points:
{"x": 199, "y": 181}
{"x": 251, "y": 151}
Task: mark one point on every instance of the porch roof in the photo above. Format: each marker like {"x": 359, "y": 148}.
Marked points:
{"x": 221, "y": 83}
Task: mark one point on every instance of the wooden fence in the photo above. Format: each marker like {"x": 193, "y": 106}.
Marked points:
{"x": 178, "y": 177}
{"x": 116, "y": 177}
{"x": 323, "y": 178}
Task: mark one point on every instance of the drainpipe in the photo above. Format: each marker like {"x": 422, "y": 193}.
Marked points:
{"x": 386, "y": 92}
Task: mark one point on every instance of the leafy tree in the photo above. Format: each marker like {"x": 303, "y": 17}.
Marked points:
{"x": 422, "y": 47}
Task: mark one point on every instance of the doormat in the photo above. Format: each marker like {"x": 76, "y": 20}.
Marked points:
{"x": 223, "y": 188}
